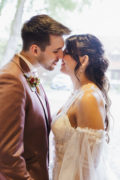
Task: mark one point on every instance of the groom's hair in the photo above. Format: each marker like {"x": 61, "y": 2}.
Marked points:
{"x": 37, "y": 31}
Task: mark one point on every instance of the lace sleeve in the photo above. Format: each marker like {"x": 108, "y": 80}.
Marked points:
{"x": 83, "y": 155}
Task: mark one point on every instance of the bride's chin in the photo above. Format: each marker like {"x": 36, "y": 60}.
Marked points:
{"x": 63, "y": 71}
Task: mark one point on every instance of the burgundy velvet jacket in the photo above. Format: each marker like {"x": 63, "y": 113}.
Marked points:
{"x": 24, "y": 126}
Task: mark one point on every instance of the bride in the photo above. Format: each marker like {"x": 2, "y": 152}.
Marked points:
{"x": 81, "y": 127}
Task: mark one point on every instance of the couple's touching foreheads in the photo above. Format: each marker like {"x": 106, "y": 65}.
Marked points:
{"x": 80, "y": 127}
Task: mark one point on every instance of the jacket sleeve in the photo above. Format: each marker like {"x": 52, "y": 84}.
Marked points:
{"x": 12, "y": 120}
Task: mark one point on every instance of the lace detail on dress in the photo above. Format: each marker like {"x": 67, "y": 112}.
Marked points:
{"x": 92, "y": 133}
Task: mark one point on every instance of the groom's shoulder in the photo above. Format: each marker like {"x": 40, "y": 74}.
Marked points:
{"x": 11, "y": 70}
{"x": 10, "y": 74}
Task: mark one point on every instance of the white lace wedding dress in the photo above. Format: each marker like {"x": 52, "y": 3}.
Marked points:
{"x": 80, "y": 154}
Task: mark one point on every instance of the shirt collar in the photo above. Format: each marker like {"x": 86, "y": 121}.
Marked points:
{"x": 31, "y": 67}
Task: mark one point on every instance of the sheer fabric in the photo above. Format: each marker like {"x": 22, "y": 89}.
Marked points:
{"x": 77, "y": 152}
{"x": 81, "y": 153}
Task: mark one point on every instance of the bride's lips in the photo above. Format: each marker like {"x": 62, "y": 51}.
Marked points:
{"x": 62, "y": 66}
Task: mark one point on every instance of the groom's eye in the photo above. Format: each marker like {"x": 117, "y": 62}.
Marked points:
{"x": 56, "y": 51}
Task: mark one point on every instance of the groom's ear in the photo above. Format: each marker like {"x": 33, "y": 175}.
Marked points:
{"x": 84, "y": 60}
{"x": 35, "y": 49}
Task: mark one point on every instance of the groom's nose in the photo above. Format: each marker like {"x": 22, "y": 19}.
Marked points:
{"x": 60, "y": 54}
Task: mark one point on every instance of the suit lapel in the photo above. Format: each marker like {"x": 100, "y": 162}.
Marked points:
{"x": 25, "y": 69}
{"x": 43, "y": 103}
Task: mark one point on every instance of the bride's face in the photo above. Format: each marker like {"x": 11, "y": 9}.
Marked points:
{"x": 68, "y": 65}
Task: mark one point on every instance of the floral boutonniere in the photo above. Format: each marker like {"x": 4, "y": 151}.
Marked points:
{"x": 33, "y": 82}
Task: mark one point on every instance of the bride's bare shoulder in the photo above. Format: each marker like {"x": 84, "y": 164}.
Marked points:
{"x": 90, "y": 109}
{"x": 91, "y": 96}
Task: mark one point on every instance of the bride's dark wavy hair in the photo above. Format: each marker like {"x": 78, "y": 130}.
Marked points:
{"x": 87, "y": 44}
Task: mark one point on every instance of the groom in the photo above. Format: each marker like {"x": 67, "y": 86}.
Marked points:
{"x": 24, "y": 110}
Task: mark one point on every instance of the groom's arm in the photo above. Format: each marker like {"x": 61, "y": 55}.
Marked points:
{"x": 12, "y": 120}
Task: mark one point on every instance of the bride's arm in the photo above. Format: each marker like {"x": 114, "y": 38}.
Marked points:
{"x": 91, "y": 114}
{"x": 82, "y": 155}
{"x": 90, "y": 111}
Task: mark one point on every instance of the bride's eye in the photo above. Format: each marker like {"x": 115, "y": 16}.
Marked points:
{"x": 65, "y": 53}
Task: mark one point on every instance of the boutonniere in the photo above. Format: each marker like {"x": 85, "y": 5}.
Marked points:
{"x": 33, "y": 82}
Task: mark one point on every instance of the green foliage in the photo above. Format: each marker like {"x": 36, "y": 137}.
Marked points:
{"x": 83, "y": 3}
{"x": 65, "y": 4}
{"x": 57, "y": 6}
{"x": 2, "y": 4}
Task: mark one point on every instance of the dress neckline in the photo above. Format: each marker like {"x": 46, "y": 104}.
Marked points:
{"x": 74, "y": 96}
{"x": 83, "y": 129}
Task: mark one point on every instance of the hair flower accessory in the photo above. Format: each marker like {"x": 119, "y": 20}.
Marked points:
{"x": 33, "y": 81}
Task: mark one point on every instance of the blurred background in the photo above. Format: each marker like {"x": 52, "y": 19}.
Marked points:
{"x": 98, "y": 17}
